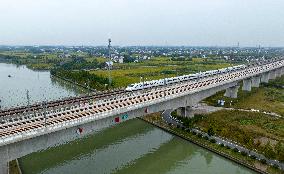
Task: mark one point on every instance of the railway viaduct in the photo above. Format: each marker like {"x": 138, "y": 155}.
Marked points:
{"x": 28, "y": 131}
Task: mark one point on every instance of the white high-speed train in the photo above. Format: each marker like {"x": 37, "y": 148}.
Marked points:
{"x": 171, "y": 80}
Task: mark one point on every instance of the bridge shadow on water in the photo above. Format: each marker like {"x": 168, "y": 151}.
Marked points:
{"x": 49, "y": 158}
{"x": 130, "y": 147}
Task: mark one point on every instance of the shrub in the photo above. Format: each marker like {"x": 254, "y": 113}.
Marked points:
{"x": 228, "y": 147}
{"x": 222, "y": 145}
{"x": 253, "y": 157}
{"x": 236, "y": 149}
{"x": 178, "y": 126}
{"x": 188, "y": 130}
{"x": 210, "y": 131}
{"x": 275, "y": 166}
{"x": 206, "y": 138}
{"x": 194, "y": 133}
{"x": 263, "y": 161}
{"x": 213, "y": 141}
{"x": 244, "y": 153}
{"x": 199, "y": 135}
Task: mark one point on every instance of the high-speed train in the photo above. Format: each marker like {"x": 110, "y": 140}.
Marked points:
{"x": 171, "y": 80}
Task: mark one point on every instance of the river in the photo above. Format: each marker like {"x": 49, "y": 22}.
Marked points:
{"x": 130, "y": 147}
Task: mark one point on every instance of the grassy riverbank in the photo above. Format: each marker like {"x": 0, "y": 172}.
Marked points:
{"x": 219, "y": 149}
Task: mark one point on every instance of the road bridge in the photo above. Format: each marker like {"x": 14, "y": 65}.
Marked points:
{"x": 30, "y": 130}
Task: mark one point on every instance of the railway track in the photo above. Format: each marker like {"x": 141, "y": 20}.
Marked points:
{"x": 10, "y": 129}
{"x": 57, "y": 103}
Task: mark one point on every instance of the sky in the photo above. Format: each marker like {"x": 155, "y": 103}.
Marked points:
{"x": 142, "y": 22}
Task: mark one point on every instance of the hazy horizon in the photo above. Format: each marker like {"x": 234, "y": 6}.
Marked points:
{"x": 142, "y": 22}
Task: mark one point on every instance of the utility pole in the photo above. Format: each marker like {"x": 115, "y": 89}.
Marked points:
{"x": 109, "y": 56}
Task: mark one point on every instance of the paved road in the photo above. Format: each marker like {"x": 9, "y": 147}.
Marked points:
{"x": 166, "y": 115}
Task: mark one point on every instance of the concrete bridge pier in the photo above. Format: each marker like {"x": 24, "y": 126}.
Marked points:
{"x": 272, "y": 75}
{"x": 185, "y": 112}
{"x": 4, "y": 168}
{"x": 255, "y": 81}
{"x": 278, "y": 72}
{"x": 264, "y": 77}
{"x": 281, "y": 71}
{"x": 246, "y": 85}
{"x": 232, "y": 92}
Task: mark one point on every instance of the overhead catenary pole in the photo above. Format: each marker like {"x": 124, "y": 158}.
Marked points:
{"x": 44, "y": 104}
{"x": 28, "y": 97}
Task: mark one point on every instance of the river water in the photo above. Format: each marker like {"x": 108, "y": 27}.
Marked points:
{"x": 39, "y": 84}
{"x": 128, "y": 148}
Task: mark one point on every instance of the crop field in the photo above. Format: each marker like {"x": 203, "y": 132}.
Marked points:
{"x": 157, "y": 68}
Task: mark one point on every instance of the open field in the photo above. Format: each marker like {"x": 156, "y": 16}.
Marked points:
{"x": 269, "y": 97}
{"x": 157, "y": 68}
{"x": 253, "y": 130}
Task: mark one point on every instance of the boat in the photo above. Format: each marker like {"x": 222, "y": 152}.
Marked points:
{"x": 9, "y": 75}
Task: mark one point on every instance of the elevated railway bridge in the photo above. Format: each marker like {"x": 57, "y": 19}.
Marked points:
{"x": 29, "y": 129}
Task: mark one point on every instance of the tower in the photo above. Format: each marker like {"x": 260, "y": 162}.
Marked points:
{"x": 109, "y": 48}
{"x": 109, "y": 64}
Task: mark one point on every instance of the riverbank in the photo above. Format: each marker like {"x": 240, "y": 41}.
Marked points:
{"x": 73, "y": 82}
{"x": 226, "y": 152}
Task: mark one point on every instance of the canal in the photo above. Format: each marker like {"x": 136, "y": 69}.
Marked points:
{"x": 130, "y": 147}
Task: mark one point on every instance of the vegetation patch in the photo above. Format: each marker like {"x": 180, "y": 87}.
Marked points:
{"x": 269, "y": 98}
{"x": 247, "y": 128}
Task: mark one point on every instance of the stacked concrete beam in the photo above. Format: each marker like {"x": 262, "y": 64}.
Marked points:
{"x": 255, "y": 81}
{"x": 246, "y": 85}
{"x": 232, "y": 92}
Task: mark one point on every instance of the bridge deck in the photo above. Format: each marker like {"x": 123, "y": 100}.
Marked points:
{"x": 31, "y": 125}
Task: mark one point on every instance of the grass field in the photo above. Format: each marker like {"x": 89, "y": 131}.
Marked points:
{"x": 157, "y": 68}
{"x": 254, "y": 130}
{"x": 238, "y": 124}
{"x": 266, "y": 98}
